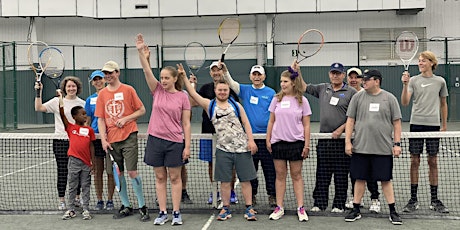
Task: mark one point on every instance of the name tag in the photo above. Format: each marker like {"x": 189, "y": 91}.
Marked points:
{"x": 84, "y": 131}
{"x": 93, "y": 100}
{"x": 334, "y": 101}
{"x": 254, "y": 100}
{"x": 285, "y": 104}
{"x": 374, "y": 107}
{"x": 118, "y": 97}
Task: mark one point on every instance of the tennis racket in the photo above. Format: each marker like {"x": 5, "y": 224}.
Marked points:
{"x": 116, "y": 174}
{"x": 194, "y": 56}
{"x": 310, "y": 43}
{"x": 33, "y": 53}
{"x": 228, "y": 31}
{"x": 54, "y": 62}
{"x": 406, "y": 47}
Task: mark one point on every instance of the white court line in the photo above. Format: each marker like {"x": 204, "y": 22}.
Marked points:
{"x": 13, "y": 154}
{"x": 208, "y": 223}
{"x": 24, "y": 169}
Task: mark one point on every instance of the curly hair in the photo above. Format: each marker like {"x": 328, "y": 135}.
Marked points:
{"x": 76, "y": 80}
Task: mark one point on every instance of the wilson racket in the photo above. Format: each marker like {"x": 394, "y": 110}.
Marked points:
{"x": 228, "y": 31}
{"x": 33, "y": 52}
{"x": 116, "y": 174}
{"x": 53, "y": 59}
{"x": 194, "y": 56}
{"x": 310, "y": 43}
{"x": 406, "y": 47}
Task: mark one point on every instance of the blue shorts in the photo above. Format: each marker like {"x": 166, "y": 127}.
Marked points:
{"x": 416, "y": 144}
{"x": 205, "y": 153}
{"x": 371, "y": 167}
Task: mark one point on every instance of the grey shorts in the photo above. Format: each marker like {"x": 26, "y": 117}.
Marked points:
{"x": 124, "y": 152}
{"x": 242, "y": 162}
{"x": 163, "y": 153}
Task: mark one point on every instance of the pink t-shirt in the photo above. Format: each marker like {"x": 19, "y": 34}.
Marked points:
{"x": 166, "y": 118}
{"x": 288, "y": 119}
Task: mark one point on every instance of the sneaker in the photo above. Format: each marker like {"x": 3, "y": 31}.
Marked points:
{"x": 250, "y": 214}
{"x": 62, "y": 206}
{"x": 277, "y": 213}
{"x": 186, "y": 198}
{"x": 99, "y": 205}
{"x": 272, "y": 201}
{"x": 69, "y": 214}
{"x": 224, "y": 214}
{"x": 123, "y": 212}
{"x": 316, "y": 209}
{"x": 349, "y": 204}
{"x": 144, "y": 214}
{"x": 210, "y": 198}
{"x": 161, "y": 219}
{"x": 87, "y": 215}
{"x": 395, "y": 219}
{"x": 77, "y": 202}
{"x": 177, "y": 218}
{"x": 353, "y": 215}
{"x": 411, "y": 206}
{"x": 302, "y": 214}
{"x": 109, "y": 205}
{"x": 233, "y": 197}
{"x": 254, "y": 200}
{"x": 337, "y": 210}
{"x": 375, "y": 206}
{"x": 438, "y": 206}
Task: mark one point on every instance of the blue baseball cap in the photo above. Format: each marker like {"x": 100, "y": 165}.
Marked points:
{"x": 337, "y": 67}
{"x": 96, "y": 73}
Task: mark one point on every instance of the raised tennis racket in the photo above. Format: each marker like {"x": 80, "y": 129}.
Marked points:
{"x": 194, "y": 56}
{"x": 406, "y": 47}
{"x": 54, "y": 62}
{"x": 228, "y": 31}
{"x": 33, "y": 53}
{"x": 310, "y": 43}
{"x": 116, "y": 174}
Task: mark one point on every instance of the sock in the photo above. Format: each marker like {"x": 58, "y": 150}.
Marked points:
{"x": 248, "y": 205}
{"x": 124, "y": 192}
{"x": 413, "y": 192}
{"x": 392, "y": 207}
{"x": 137, "y": 187}
{"x": 434, "y": 192}
{"x": 356, "y": 207}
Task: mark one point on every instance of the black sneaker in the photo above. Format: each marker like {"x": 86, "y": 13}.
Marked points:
{"x": 353, "y": 215}
{"x": 438, "y": 206}
{"x": 411, "y": 206}
{"x": 144, "y": 214}
{"x": 123, "y": 212}
{"x": 395, "y": 218}
{"x": 186, "y": 198}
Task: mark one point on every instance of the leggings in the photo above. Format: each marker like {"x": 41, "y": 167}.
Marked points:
{"x": 60, "y": 148}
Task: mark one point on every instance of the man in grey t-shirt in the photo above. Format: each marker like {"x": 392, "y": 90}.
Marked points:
{"x": 429, "y": 106}
{"x": 374, "y": 115}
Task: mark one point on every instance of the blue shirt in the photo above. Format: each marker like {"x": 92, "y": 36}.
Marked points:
{"x": 90, "y": 107}
{"x": 256, "y": 103}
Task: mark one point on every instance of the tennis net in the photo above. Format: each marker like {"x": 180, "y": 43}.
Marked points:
{"x": 28, "y": 177}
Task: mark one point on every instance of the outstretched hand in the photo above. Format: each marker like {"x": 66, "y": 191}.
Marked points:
{"x": 140, "y": 44}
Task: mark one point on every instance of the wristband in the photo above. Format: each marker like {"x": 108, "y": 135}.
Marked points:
{"x": 397, "y": 144}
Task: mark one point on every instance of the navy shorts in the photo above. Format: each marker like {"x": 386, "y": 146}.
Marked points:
{"x": 289, "y": 151}
{"x": 371, "y": 167}
{"x": 416, "y": 144}
{"x": 205, "y": 153}
{"x": 163, "y": 153}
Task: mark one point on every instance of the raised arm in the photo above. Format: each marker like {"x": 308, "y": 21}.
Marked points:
{"x": 144, "y": 55}
{"x": 61, "y": 109}
{"x": 39, "y": 107}
{"x": 247, "y": 128}
{"x": 234, "y": 85}
{"x": 405, "y": 94}
{"x": 295, "y": 69}
{"x": 201, "y": 101}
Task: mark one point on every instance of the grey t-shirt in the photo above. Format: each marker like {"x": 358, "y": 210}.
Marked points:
{"x": 374, "y": 116}
{"x": 426, "y": 93}
{"x": 333, "y": 105}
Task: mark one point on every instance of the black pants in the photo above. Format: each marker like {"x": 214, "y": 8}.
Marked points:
{"x": 372, "y": 186}
{"x": 268, "y": 167}
{"x": 60, "y": 148}
{"x": 331, "y": 160}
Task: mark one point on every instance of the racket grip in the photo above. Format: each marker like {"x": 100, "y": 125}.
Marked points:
{"x": 222, "y": 58}
{"x": 38, "y": 93}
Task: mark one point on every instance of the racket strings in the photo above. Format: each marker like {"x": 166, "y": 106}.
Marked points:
{"x": 310, "y": 43}
{"x": 229, "y": 30}
{"x": 406, "y": 46}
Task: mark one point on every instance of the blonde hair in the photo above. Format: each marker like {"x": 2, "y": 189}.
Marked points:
{"x": 430, "y": 56}
{"x": 297, "y": 87}
{"x": 76, "y": 80}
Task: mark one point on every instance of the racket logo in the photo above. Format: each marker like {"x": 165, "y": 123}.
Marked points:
{"x": 407, "y": 45}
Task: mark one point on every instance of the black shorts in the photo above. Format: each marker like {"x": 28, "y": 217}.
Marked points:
{"x": 416, "y": 144}
{"x": 163, "y": 153}
{"x": 290, "y": 151}
{"x": 98, "y": 151}
{"x": 371, "y": 167}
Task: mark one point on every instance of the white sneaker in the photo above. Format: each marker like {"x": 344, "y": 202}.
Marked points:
{"x": 349, "y": 204}
{"x": 87, "y": 215}
{"x": 337, "y": 210}
{"x": 375, "y": 206}
{"x": 69, "y": 214}
{"x": 315, "y": 209}
{"x": 277, "y": 213}
{"x": 62, "y": 206}
{"x": 302, "y": 214}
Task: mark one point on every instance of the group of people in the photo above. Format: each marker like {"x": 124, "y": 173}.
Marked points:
{"x": 360, "y": 107}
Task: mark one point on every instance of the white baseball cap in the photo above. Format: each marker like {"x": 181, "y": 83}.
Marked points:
{"x": 257, "y": 68}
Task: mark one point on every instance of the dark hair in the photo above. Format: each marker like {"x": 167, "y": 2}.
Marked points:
{"x": 74, "y": 110}
{"x": 175, "y": 74}
{"x": 76, "y": 80}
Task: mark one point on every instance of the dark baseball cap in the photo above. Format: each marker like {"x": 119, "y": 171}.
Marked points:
{"x": 372, "y": 73}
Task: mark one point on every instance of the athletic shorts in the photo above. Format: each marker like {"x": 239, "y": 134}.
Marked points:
{"x": 163, "y": 153}
{"x": 289, "y": 151}
{"x": 371, "y": 167}
{"x": 242, "y": 162}
{"x": 205, "y": 153}
{"x": 125, "y": 151}
{"x": 98, "y": 151}
{"x": 416, "y": 144}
